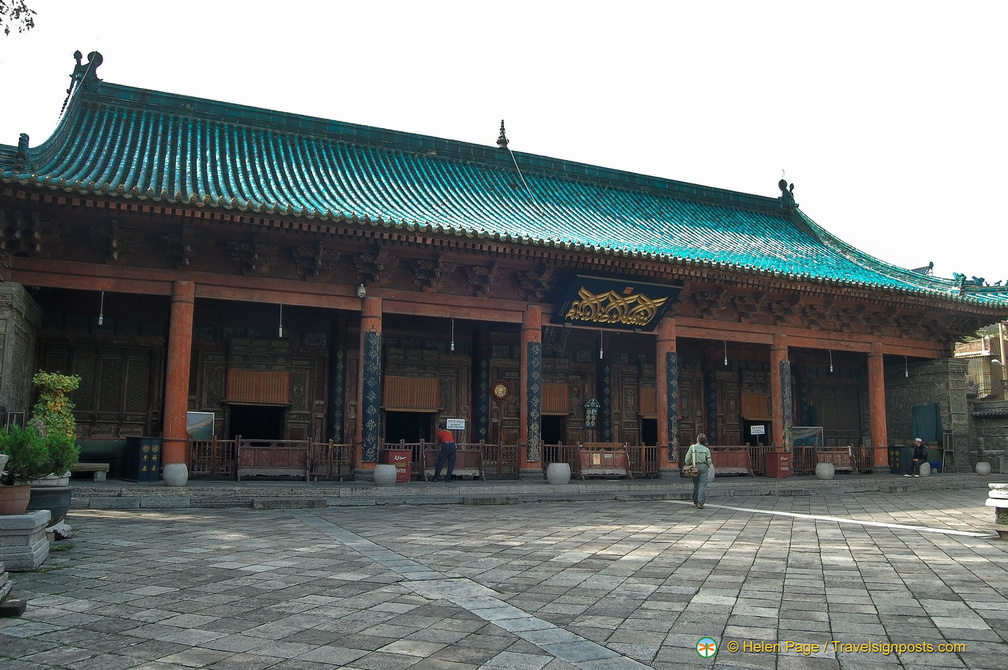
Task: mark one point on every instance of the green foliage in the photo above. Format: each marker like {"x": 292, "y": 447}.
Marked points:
{"x": 29, "y": 454}
{"x": 54, "y": 408}
{"x": 63, "y": 453}
{"x": 16, "y": 13}
{"x": 47, "y": 445}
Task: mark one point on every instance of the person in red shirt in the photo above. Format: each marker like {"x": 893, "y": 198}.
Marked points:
{"x": 446, "y": 457}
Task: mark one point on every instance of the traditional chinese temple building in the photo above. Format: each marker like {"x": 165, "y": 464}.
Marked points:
{"x": 301, "y": 278}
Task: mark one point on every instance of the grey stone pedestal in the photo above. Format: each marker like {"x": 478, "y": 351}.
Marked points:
{"x": 23, "y": 542}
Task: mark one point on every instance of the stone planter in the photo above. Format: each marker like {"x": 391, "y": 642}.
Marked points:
{"x": 997, "y": 497}
{"x": 825, "y": 470}
{"x": 385, "y": 474}
{"x": 558, "y": 473}
{"x": 52, "y": 480}
{"x": 56, "y": 499}
{"x": 14, "y": 499}
{"x": 983, "y": 468}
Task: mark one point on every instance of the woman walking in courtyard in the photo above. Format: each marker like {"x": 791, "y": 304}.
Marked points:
{"x": 699, "y": 455}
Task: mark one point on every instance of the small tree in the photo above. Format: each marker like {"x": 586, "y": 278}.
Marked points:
{"x": 53, "y": 413}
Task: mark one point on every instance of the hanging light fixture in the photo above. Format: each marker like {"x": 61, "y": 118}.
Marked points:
{"x": 280, "y": 329}
{"x": 600, "y": 345}
{"x": 831, "y": 360}
{"x": 101, "y": 310}
{"x": 452, "y": 345}
{"x": 726, "y": 353}
{"x": 906, "y": 367}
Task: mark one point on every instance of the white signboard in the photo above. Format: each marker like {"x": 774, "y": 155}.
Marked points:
{"x": 757, "y": 430}
{"x": 456, "y": 424}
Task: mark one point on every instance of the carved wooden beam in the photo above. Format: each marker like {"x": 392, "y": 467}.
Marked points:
{"x": 310, "y": 261}
{"x": 251, "y": 257}
{"x": 113, "y": 241}
{"x": 375, "y": 267}
{"x": 481, "y": 279}
{"x": 429, "y": 275}
{"x": 534, "y": 284}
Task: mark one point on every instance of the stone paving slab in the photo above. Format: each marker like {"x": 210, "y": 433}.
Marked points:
{"x": 819, "y": 581}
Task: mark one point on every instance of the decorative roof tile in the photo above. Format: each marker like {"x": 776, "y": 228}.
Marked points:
{"x": 161, "y": 147}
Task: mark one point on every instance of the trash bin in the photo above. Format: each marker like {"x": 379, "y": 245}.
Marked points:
{"x": 143, "y": 459}
{"x": 778, "y": 464}
{"x": 402, "y": 459}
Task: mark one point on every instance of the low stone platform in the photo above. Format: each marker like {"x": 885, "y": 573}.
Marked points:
{"x": 275, "y": 494}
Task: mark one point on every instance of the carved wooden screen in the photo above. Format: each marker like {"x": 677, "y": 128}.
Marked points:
{"x": 258, "y": 387}
{"x": 411, "y": 394}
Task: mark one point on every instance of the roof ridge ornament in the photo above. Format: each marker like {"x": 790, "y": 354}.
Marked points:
{"x": 787, "y": 192}
{"x": 502, "y": 140}
{"x": 83, "y": 75}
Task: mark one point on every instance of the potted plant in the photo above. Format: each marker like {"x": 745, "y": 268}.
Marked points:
{"x": 52, "y": 417}
{"x": 27, "y": 454}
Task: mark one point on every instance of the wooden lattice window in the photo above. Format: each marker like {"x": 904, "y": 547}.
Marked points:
{"x": 258, "y": 387}
{"x": 649, "y": 403}
{"x": 555, "y": 399}
{"x": 411, "y": 394}
{"x": 756, "y": 407}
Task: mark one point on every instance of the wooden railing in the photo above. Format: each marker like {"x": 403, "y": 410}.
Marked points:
{"x": 803, "y": 458}
{"x": 219, "y": 459}
{"x": 643, "y": 459}
{"x": 496, "y": 461}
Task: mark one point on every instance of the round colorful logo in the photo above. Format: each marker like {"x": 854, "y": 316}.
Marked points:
{"x": 706, "y": 647}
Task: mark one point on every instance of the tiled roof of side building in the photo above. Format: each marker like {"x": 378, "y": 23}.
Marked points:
{"x": 170, "y": 148}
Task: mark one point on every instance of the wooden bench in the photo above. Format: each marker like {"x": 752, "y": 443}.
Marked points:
{"x": 602, "y": 459}
{"x": 99, "y": 469}
{"x": 731, "y": 460}
{"x": 468, "y": 463}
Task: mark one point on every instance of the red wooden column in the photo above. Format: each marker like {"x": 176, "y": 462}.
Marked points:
{"x": 530, "y": 398}
{"x": 667, "y": 393}
{"x": 174, "y": 439}
{"x": 877, "y": 405}
{"x": 778, "y": 359}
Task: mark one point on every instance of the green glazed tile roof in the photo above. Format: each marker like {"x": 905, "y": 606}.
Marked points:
{"x": 161, "y": 147}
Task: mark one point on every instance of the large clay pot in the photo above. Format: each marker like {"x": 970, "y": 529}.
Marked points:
{"x": 14, "y": 499}
{"x": 825, "y": 470}
{"x": 56, "y": 499}
{"x": 558, "y": 473}
{"x": 385, "y": 474}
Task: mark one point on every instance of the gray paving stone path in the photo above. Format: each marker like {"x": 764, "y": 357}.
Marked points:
{"x": 853, "y": 580}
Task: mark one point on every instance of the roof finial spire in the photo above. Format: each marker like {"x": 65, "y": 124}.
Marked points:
{"x": 502, "y": 140}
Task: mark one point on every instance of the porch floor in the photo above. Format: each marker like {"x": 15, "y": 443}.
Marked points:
{"x": 272, "y": 494}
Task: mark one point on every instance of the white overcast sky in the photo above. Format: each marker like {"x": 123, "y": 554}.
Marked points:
{"x": 888, "y": 116}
